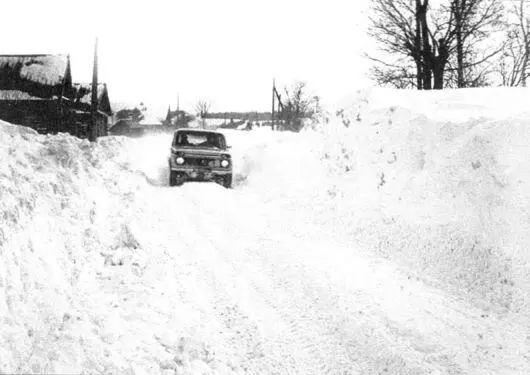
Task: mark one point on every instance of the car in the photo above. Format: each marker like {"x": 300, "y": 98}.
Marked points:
{"x": 199, "y": 155}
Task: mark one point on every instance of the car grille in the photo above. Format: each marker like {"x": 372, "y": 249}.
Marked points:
{"x": 202, "y": 162}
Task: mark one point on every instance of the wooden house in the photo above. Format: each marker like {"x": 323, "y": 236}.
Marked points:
{"x": 80, "y": 115}
{"x": 132, "y": 127}
{"x": 127, "y": 127}
{"x": 177, "y": 119}
{"x": 34, "y": 89}
{"x": 37, "y": 91}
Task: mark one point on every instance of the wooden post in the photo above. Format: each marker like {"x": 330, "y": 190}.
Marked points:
{"x": 279, "y": 110}
{"x": 178, "y": 111}
{"x": 272, "y": 113}
{"x": 93, "y": 131}
{"x": 66, "y": 88}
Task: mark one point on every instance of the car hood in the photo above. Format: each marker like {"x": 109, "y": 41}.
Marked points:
{"x": 199, "y": 151}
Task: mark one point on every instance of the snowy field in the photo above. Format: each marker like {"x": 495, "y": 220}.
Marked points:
{"x": 393, "y": 240}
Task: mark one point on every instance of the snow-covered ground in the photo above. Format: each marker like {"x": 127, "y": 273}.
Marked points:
{"x": 392, "y": 240}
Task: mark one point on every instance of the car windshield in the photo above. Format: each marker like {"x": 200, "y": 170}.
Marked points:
{"x": 200, "y": 139}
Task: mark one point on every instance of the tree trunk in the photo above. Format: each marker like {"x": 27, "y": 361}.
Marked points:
{"x": 439, "y": 62}
{"x": 525, "y": 32}
{"x": 438, "y": 76}
{"x": 524, "y": 65}
{"x": 419, "y": 74}
{"x": 417, "y": 48}
{"x": 426, "y": 46}
{"x": 458, "y": 8}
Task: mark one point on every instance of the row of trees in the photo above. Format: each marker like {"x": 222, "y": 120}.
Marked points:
{"x": 450, "y": 43}
{"x": 297, "y": 104}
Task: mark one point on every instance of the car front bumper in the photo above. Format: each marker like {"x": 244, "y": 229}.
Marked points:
{"x": 200, "y": 174}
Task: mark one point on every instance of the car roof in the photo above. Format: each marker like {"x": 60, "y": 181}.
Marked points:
{"x": 191, "y": 130}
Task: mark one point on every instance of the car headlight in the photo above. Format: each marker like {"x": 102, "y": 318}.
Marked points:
{"x": 224, "y": 163}
{"x": 180, "y": 160}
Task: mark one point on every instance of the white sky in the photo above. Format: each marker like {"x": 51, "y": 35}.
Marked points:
{"x": 226, "y": 52}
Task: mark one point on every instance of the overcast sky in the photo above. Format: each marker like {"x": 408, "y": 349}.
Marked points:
{"x": 225, "y": 51}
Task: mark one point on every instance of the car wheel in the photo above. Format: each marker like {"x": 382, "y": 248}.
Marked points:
{"x": 174, "y": 179}
{"x": 227, "y": 183}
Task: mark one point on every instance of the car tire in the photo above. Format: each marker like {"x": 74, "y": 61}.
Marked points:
{"x": 174, "y": 179}
{"x": 227, "y": 183}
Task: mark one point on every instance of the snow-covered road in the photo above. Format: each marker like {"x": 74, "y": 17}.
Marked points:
{"x": 283, "y": 293}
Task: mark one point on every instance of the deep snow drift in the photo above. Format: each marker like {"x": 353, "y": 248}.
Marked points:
{"x": 446, "y": 175}
{"x": 391, "y": 240}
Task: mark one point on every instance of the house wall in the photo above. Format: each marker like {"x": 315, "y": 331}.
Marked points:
{"x": 77, "y": 123}
{"x": 45, "y": 117}
{"x": 41, "y": 115}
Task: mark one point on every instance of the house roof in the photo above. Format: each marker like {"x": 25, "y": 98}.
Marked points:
{"x": 84, "y": 92}
{"x": 150, "y": 119}
{"x": 83, "y": 96}
{"x": 46, "y": 70}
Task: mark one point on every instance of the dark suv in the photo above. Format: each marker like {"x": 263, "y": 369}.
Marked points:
{"x": 199, "y": 155}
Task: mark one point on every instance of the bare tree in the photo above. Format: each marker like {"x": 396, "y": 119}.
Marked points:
{"x": 410, "y": 29}
{"x": 399, "y": 75}
{"x": 472, "y": 22}
{"x": 513, "y": 64}
{"x": 403, "y": 28}
{"x": 202, "y": 107}
{"x": 297, "y": 105}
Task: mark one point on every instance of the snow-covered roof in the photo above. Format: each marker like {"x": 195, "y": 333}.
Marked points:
{"x": 42, "y": 69}
{"x": 83, "y": 97}
{"x": 118, "y": 106}
{"x": 150, "y": 119}
{"x": 84, "y": 92}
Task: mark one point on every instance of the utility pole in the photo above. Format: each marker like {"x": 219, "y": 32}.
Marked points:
{"x": 272, "y": 113}
{"x": 93, "y": 130}
{"x": 279, "y": 110}
{"x": 178, "y": 109}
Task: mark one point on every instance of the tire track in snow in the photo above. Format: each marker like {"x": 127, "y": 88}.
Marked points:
{"x": 238, "y": 329}
{"x": 322, "y": 318}
{"x": 318, "y": 352}
{"x": 376, "y": 343}
{"x": 450, "y": 345}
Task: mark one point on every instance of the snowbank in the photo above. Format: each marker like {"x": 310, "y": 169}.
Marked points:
{"x": 440, "y": 182}
{"x": 436, "y": 181}
{"x": 443, "y": 105}
{"x": 57, "y": 195}
{"x": 75, "y": 262}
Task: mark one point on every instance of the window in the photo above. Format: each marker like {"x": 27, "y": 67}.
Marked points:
{"x": 200, "y": 139}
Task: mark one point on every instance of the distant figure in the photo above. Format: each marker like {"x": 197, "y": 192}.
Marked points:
{"x": 184, "y": 140}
